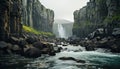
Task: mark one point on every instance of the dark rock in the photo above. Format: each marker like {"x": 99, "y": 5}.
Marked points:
{"x": 32, "y": 52}
{"x": 52, "y": 53}
{"x": 116, "y": 32}
{"x": 71, "y": 58}
{"x": 57, "y": 49}
{"x": 22, "y": 42}
{"x": 15, "y": 48}
{"x": 31, "y": 40}
{"x": 13, "y": 40}
{"x": 45, "y": 51}
{"x": 3, "y": 45}
{"x": 5, "y": 48}
{"x": 39, "y": 45}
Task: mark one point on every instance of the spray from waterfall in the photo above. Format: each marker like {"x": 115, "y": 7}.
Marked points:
{"x": 62, "y": 33}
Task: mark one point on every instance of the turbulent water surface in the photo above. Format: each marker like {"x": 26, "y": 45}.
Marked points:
{"x": 94, "y": 60}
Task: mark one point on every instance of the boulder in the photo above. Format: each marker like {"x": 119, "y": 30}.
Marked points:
{"x": 45, "y": 51}
{"x": 32, "y": 52}
{"x": 31, "y": 40}
{"x": 13, "y": 40}
{"x": 52, "y": 53}
{"x": 116, "y": 32}
{"x": 3, "y": 45}
{"x": 71, "y": 58}
{"x": 39, "y": 45}
{"x": 57, "y": 49}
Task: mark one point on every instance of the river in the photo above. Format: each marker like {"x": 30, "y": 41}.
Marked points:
{"x": 99, "y": 59}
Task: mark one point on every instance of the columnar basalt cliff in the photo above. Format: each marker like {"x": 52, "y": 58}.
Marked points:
{"x": 37, "y": 16}
{"x": 10, "y": 18}
{"x": 97, "y": 14}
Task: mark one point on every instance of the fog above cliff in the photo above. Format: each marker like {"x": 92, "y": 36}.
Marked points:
{"x": 64, "y": 8}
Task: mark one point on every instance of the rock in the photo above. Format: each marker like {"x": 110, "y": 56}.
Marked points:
{"x": 3, "y": 45}
{"x": 32, "y": 52}
{"x": 71, "y": 58}
{"x": 57, "y": 49}
{"x": 31, "y": 40}
{"x": 22, "y": 42}
{"x": 13, "y": 40}
{"x": 52, "y": 53}
{"x": 45, "y": 51}
{"x": 116, "y": 32}
{"x": 16, "y": 48}
{"x": 97, "y": 33}
{"x": 64, "y": 45}
{"x": 39, "y": 45}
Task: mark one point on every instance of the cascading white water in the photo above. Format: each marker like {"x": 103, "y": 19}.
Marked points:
{"x": 62, "y": 33}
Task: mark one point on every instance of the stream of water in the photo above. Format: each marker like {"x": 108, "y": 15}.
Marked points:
{"x": 94, "y": 60}
{"x": 62, "y": 33}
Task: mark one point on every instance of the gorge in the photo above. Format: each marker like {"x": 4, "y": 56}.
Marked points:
{"x": 32, "y": 38}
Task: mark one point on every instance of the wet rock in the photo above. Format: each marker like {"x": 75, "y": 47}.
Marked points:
{"x": 3, "y": 45}
{"x": 45, "y": 51}
{"x": 71, "y": 58}
{"x": 32, "y": 52}
{"x": 39, "y": 45}
{"x": 52, "y": 53}
{"x": 22, "y": 42}
{"x": 57, "y": 49}
{"x": 16, "y": 49}
{"x": 5, "y": 48}
{"x": 116, "y": 32}
{"x": 13, "y": 40}
{"x": 31, "y": 40}
{"x": 64, "y": 45}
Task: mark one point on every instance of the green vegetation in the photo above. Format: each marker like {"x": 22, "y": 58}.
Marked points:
{"x": 32, "y": 30}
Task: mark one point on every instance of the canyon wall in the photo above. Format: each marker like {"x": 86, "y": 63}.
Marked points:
{"x": 15, "y": 13}
{"x": 37, "y": 16}
{"x": 97, "y": 14}
{"x": 10, "y": 18}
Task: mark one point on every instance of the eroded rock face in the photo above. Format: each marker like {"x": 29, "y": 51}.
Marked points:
{"x": 97, "y": 14}
{"x": 37, "y": 16}
{"x": 10, "y": 18}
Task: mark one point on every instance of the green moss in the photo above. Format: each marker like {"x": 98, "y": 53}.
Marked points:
{"x": 32, "y": 30}
{"x": 29, "y": 29}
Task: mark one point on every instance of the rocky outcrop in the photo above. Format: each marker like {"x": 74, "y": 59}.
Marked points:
{"x": 97, "y": 14}
{"x": 10, "y": 18}
{"x": 37, "y": 16}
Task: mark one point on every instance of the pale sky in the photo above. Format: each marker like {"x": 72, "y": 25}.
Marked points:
{"x": 64, "y": 9}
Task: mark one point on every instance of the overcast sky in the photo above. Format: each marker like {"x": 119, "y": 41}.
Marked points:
{"x": 64, "y": 8}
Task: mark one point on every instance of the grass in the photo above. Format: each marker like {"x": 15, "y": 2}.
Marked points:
{"x": 32, "y": 30}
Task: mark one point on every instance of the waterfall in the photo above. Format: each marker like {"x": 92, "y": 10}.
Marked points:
{"x": 62, "y": 33}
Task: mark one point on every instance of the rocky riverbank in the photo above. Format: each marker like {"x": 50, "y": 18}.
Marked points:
{"x": 28, "y": 45}
{"x": 100, "y": 39}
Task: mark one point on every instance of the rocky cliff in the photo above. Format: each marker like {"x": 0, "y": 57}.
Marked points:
{"x": 97, "y": 14}
{"x": 10, "y": 18}
{"x": 37, "y": 16}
